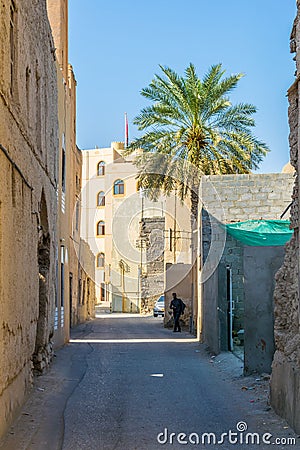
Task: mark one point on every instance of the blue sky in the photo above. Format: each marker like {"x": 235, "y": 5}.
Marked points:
{"x": 115, "y": 48}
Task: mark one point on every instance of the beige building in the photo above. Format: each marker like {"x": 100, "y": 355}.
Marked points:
{"x": 285, "y": 380}
{"x": 43, "y": 286}
{"x": 28, "y": 202}
{"x": 72, "y": 284}
{"x": 113, "y": 211}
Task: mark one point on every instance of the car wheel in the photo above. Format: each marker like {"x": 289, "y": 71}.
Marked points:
{"x": 155, "y": 315}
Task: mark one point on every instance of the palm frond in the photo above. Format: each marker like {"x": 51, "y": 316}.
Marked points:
{"x": 192, "y": 128}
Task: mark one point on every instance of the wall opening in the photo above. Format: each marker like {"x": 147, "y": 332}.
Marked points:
{"x": 42, "y": 353}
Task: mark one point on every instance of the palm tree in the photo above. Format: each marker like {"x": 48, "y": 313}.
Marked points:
{"x": 190, "y": 129}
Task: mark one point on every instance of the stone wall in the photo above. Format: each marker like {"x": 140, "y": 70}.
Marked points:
{"x": 285, "y": 380}
{"x": 28, "y": 205}
{"x": 152, "y": 235}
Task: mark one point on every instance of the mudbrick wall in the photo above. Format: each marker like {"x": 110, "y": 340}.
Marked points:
{"x": 28, "y": 205}
{"x": 285, "y": 380}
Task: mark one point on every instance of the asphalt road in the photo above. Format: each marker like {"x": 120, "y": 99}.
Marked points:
{"x": 142, "y": 380}
{"x": 126, "y": 383}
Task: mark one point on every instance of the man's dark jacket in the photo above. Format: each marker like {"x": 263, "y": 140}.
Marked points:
{"x": 177, "y": 306}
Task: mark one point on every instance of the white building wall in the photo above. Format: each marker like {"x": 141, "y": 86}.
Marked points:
{"x": 122, "y": 215}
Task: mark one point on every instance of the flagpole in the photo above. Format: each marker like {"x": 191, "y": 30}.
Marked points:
{"x": 126, "y": 131}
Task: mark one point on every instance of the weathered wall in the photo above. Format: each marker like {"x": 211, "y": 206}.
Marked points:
{"x": 28, "y": 210}
{"x": 66, "y": 86}
{"x": 86, "y": 299}
{"x": 81, "y": 260}
{"x": 260, "y": 267}
{"x": 73, "y": 285}
{"x": 285, "y": 380}
{"x": 153, "y": 236}
{"x": 285, "y": 392}
{"x": 58, "y": 17}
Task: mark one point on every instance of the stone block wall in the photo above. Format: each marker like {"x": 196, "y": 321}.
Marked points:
{"x": 234, "y": 198}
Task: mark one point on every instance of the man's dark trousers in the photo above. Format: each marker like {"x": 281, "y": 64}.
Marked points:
{"x": 176, "y": 322}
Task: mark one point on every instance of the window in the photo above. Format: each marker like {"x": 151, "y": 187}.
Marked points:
{"x": 171, "y": 239}
{"x": 100, "y": 260}
{"x": 101, "y": 169}
{"x": 63, "y": 162}
{"x": 119, "y": 187}
{"x": 100, "y": 228}
{"x": 63, "y": 170}
{"x": 83, "y": 293}
{"x": 101, "y": 199}
{"x": 77, "y": 215}
{"x": 27, "y": 75}
{"x": 102, "y": 292}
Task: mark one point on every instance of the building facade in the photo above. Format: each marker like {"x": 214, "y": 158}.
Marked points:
{"x": 72, "y": 281}
{"x": 285, "y": 380}
{"x": 131, "y": 236}
{"x": 28, "y": 201}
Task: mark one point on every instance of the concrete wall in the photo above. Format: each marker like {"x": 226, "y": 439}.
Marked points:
{"x": 285, "y": 380}
{"x": 226, "y": 199}
{"x": 260, "y": 267}
{"x": 28, "y": 205}
{"x": 210, "y": 311}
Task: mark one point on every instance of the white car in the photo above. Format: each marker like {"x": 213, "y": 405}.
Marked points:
{"x": 159, "y": 307}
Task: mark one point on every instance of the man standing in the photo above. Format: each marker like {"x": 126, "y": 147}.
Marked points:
{"x": 177, "y": 306}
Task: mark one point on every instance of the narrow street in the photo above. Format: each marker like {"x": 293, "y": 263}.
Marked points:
{"x": 124, "y": 379}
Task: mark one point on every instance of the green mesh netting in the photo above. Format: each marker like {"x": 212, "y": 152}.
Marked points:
{"x": 261, "y": 232}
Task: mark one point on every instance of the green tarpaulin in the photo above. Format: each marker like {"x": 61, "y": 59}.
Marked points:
{"x": 261, "y": 232}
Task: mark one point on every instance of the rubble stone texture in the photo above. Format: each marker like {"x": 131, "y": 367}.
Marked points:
{"x": 152, "y": 233}
{"x": 28, "y": 204}
{"x": 285, "y": 392}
